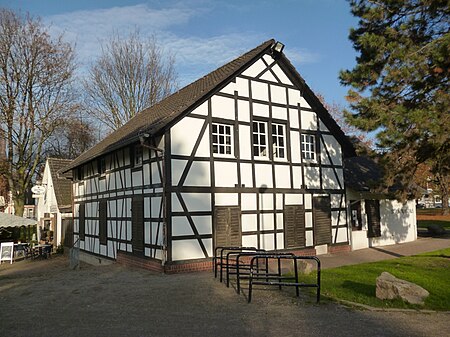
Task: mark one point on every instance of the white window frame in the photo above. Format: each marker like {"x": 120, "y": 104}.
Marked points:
{"x": 308, "y": 147}
{"x": 222, "y": 140}
{"x": 259, "y": 140}
{"x": 279, "y": 141}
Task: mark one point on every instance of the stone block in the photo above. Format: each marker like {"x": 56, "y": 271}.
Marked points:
{"x": 389, "y": 287}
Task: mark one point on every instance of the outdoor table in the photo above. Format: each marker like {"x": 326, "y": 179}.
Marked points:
{"x": 21, "y": 250}
{"x": 42, "y": 250}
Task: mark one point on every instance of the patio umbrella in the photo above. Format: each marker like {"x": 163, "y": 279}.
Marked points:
{"x": 10, "y": 220}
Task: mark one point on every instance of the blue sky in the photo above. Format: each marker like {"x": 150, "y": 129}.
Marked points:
{"x": 205, "y": 34}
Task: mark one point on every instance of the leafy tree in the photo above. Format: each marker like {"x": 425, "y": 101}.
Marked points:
{"x": 400, "y": 85}
{"x": 131, "y": 74}
{"x": 35, "y": 78}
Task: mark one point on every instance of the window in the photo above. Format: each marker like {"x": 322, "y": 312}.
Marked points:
{"x": 137, "y": 155}
{"x": 101, "y": 165}
{"x": 260, "y": 139}
{"x": 222, "y": 139}
{"x": 80, "y": 173}
{"x": 356, "y": 219}
{"x": 278, "y": 145}
{"x": 308, "y": 147}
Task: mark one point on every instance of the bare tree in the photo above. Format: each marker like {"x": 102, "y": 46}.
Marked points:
{"x": 71, "y": 138}
{"x": 130, "y": 75}
{"x": 35, "y": 78}
{"x": 360, "y": 139}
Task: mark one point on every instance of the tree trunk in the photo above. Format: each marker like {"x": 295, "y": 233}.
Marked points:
{"x": 19, "y": 202}
{"x": 445, "y": 210}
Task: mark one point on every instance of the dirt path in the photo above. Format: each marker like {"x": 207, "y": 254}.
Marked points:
{"x": 46, "y": 298}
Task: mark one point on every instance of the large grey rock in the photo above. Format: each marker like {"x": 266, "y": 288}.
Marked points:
{"x": 389, "y": 287}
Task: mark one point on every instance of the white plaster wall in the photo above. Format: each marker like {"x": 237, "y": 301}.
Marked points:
{"x": 294, "y": 96}
{"x": 199, "y": 174}
{"x": 190, "y": 249}
{"x": 334, "y": 150}
{"x": 263, "y": 175}
{"x": 249, "y": 241}
{"x": 312, "y": 177}
{"x": 398, "y": 223}
{"x": 282, "y": 176}
{"x": 255, "y": 69}
{"x": 249, "y": 222}
{"x": 278, "y": 94}
{"x": 246, "y": 174}
{"x": 260, "y": 110}
{"x": 281, "y": 75}
{"x": 222, "y": 107}
{"x": 308, "y": 120}
{"x": 279, "y": 112}
{"x": 245, "y": 149}
{"x": 243, "y": 111}
{"x": 180, "y": 143}
{"x": 225, "y": 174}
{"x": 260, "y": 91}
{"x": 226, "y": 199}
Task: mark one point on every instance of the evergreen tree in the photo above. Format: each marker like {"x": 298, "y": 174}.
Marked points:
{"x": 400, "y": 85}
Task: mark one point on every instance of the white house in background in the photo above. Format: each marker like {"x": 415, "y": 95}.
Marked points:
{"x": 246, "y": 155}
{"x": 54, "y": 206}
{"x": 376, "y": 219}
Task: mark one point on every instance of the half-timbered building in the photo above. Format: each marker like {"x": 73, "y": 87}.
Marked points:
{"x": 246, "y": 155}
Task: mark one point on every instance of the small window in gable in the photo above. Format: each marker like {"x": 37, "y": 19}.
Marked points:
{"x": 222, "y": 139}
{"x": 308, "y": 147}
{"x": 278, "y": 139}
{"x": 137, "y": 155}
{"x": 101, "y": 162}
{"x": 260, "y": 139}
{"x": 80, "y": 173}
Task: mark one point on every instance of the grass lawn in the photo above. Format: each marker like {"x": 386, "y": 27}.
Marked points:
{"x": 358, "y": 283}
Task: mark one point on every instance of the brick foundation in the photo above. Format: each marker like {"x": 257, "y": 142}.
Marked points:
{"x": 139, "y": 262}
{"x": 147, "y": 263}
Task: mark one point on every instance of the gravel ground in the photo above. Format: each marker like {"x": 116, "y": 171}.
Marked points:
{"x": 46, "y": 298}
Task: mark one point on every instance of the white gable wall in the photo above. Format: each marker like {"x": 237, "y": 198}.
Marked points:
{"x": 236, "y": 178}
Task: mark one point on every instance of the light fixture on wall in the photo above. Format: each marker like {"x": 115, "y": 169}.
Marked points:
{"x": 277, "y": 47}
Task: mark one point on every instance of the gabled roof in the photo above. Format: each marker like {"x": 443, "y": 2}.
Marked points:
{"x": 62, "y": 186}
{"x": 362, "y": 173}
{"x": 155, "y": 119}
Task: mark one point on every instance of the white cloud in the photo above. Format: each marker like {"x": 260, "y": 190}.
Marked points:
{"x": 195, "y": 56}
{"x": 88, "y": 29}
{"x": 301, "y": 56}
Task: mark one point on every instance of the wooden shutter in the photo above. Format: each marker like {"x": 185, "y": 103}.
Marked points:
{"x": 373, "y": 218}
{"x": 81, "y": 220}
{"x": 227, "y": 226}
{"x": 137, "y": 224}
{"x": 102, "y": 228}
{"x": 322, "y": 220}
{"x": 294, "y": 226}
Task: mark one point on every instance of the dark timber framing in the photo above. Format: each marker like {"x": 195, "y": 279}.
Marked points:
{"x": 182, "y": 200}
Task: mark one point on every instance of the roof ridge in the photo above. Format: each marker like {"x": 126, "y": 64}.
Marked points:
{"x": 156, "y": 117}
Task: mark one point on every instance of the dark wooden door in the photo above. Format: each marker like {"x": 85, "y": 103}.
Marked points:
{"x": 294, "y": 226}
{"x": 373, "y": 218}
{"x": 137, "y": 224}
{"x": 227, "y": 226}
{"x": 322, "y": 220}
